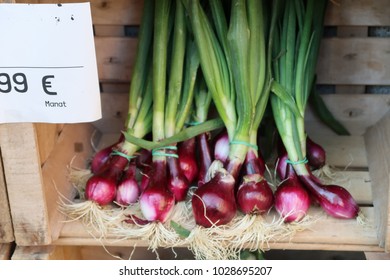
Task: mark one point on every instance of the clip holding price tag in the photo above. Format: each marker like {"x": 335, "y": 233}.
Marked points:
{"x": 48, "y": 70}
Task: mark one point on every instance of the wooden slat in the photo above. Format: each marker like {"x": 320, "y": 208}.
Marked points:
{"x": 47, "y": 135}
{"x": 378, "y": 151}
{"x": 377, "y": 256}
{"x": 73, "y": 148}
{"x": 358, "y": 12}
{"x": 115, "y": 57}
{"x": 114, "y": 111}
{"x": 354, "y": 61}
{"x": 22, "y": 169}
{"x": 6, "y": 230}
{"x": 343, "y": 151}
{"x": 117, "y": 12}
{"x": 321, "y": 235}
{"x": 109, "y": 30}
{"x": 5, "y": 251}
{"x": 356, "y": 112}
{"x": 38, "y": 253}
{"x": 345, "y": 12}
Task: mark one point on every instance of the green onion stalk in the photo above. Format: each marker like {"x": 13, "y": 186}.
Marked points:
{"x": 228, "y": 55}
{"x": 112, "y": 176}
{"x": 297, "y": 40}
{"x": 175, "y": 66}
{"x": 114, "y": 160}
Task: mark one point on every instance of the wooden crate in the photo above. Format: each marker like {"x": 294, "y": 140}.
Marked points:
{"x": 6, "y": 230}
{"x": 6, "y": 250}
{"x": 351, "y": 65}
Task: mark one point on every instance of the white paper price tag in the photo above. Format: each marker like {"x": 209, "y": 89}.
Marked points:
{"x": 48, "y": 70}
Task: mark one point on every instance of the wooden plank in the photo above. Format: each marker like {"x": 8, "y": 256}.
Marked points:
{"x": 114, "y": 111}
{"x": 321, "y": 234}
{"x": 22, "y": 169}
{"x": 378, "y": 151}
{"x": 115, "y": 58}
{"x": 6, "y": 251}
{"x": 47, "y": 135}
{"x": 358, "y": 12}
{"x": 38, "y": 253}
{"x": 343, "y": 151}
{"x": 118, "y": 12}
{"x": 109, "y": 30}
{"x": 354, "y": 61}
{"x": 343, "y": 61}
{"x": 73, "y": 148}
{"x": 6, "y": 230}
{"x": 356, "y": 113}
{"x": 352, "y": 31}
{"x": 377, "y": 256}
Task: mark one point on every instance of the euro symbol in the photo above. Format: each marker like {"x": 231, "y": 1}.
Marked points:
{"x": 47, "y": 84}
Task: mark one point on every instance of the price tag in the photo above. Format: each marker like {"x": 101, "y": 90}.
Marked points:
{"x": 48, "y": 70}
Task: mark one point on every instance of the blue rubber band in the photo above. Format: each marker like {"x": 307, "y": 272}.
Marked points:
{"x": 254, "y": 147}
{"x": 305, "y": 160}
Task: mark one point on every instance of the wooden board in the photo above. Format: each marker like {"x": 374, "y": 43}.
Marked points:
{"x": 340, "y": 12}
{"x": 6, "y": 230}
{"x": 378, "y": 151}
{"x": 6, "y": 251}
{"x": 358, "y": 12}
{"x": 357, "y": 112}
{"x": 354, "y": 61}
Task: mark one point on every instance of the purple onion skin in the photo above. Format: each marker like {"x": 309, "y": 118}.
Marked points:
{"x": 205, "y": 157}
{"x": 221, "y": 146}
{"x": 101, "y": 158}
{"x": 144, "y": 158}
{"x": 335, "y": 200}
{"x": 254, "y": 164}
{"x": 281, "y": 166}
{"x": 128, "y": 190}
{"x": 254, "y": 195}
{"x": 214, "y": 203}
{"x": 315, "y": 154}
{"x": 101, "y": 190}
{"x": 156, "y": 201}
{"x": 177, "y": 182}
{"x": 187, "y": 159}
{"x": 291, "y": 199}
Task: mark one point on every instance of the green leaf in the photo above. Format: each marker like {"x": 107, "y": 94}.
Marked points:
{"x": 180, "y": 230}
{"x": 285, "y": 97}
{"x": 325, "y": 115}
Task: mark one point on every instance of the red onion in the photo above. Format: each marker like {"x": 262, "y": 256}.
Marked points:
{"x": 291, "y": 199}
{"x": 281, "y": 166}
{"x": 205, "y": 158}
{"x": 156, "y": 201}
{"x": 315, "y": 154}
{"x": 102, "y": 157}
{"x": 254, "y": 163}
{"x": 100, "y": 190}
{"x": 214, "y": 203}
{"x": 177, "y": 182}
{"x": 254, "y": 195}
{"x": 335, "y": 200}
{"x": 128, "y": 190}
{"x": 187, "y": 159}
{"x": 221, "y": 146}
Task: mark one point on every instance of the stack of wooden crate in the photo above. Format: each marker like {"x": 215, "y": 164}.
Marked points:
{"x": 354, "y": 66}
